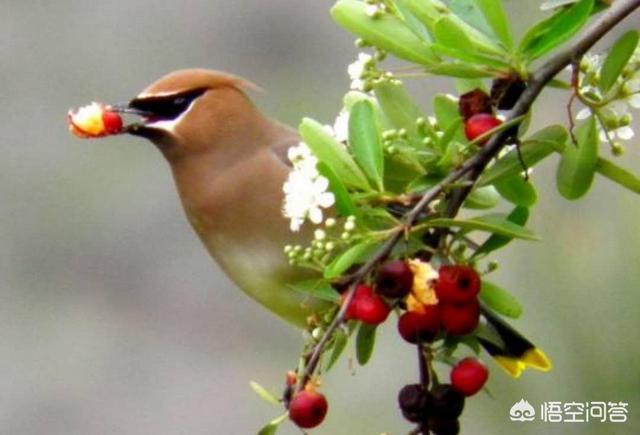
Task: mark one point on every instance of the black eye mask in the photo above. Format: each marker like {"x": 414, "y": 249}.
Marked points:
{"x": 166, "y": 107}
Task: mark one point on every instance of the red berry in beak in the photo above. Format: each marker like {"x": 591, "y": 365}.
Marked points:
{"x": 308, "y": 408}
{"x": 460, "y": 319}
{"x": 469, "y": 376}
{"x": 479, "y": 124}
{"x": 394, "y": 279}
{"x": 423, "y": 325}
{"x": 457, "y": 284}
{"x": 112, "y": 122}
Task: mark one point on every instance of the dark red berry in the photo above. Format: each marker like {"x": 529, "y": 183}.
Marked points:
{"x": 460, "y": 319}
{"x": 308, "y": 408}
{"x": 474, "y": 102}
{"x": 479, "y": 124}
{"x": 444, "y": 426}
{"x": 413, "y": 400}
{"x": 469, "y": 376}
{"x": 372, "y": 309}
{"x": 457, "y": 284}
{"x": 416, "y": 326}
{"x": 394, "y": 279}
{"x": 112, "y": 122}
{"x": 445, "y": 402}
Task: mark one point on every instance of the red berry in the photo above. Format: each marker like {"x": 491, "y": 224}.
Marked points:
{"x": 394, "y": 279}
{"x": 469, "y": 376}
{"x": 479, "y": 124}
{"x": 308, "y": 408}
{"x": 372, "y": 309}
{"x": 416, "y": 326}
{"x": 112, "y": 122}
{"x": 362, "y": 291}
{"x": 457, "y": 284}
{"x": 460, "y": 319}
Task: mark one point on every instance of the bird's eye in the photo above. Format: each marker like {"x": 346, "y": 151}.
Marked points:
{"x": 179, "y": 101}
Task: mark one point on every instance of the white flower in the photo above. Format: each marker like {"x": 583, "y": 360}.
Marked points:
{"x": 373, "y": 10}
{"x": 357, "y": 71}
{"x": 305, "y": 189}
{"x": 341, "y": 126}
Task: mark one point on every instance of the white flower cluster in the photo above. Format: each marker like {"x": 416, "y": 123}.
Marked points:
{"x": 358, "y": 70}
{"x": 305, "y": 189}
{"x": 612, "y": 111}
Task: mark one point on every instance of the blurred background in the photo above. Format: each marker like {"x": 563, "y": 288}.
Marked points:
{"x": 113, "y": 320}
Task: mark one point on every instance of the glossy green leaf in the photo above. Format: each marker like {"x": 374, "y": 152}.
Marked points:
{"x": 333, "y": 154}
{"x": 432, "y": 12}
{"x": 264, "y": 394}
{"x": 517, "y": 190}
{"x": 618, "y": 175}
{"x": 339, "y": 344}
{"x": 351, "y": 256}
{"x": 272, "y": 427}
{"x": 492, "y": 223}
{"x": 577, "y": 165}
{"x": 533, "y": 150}
{"x": 386, "y": 32}
{"x": 494, "y": 13}
{"x": 461, "y": 70}
{"x": 446, "y": 111}
{"x": 398, "y": 106}
{"x": 450, "y": 33}
{"x": 499, "y": 300}
{"x": 518, "y": 216}
{"x": 365, "y": 142}
{"x": 411, "y": 20}
{"x": 365, "y": 342}
{"x": 344, "y": 204}
{"x": 482, "y": 198}
{"x": 617, "y": 59}
{"x": 555, "y": 30}
{"x": 317, "y": 288}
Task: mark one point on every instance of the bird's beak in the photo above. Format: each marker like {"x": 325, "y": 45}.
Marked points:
{"x": 134, "y": 126}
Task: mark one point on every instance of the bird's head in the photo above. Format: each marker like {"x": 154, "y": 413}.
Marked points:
{"x": 194, "y": 111}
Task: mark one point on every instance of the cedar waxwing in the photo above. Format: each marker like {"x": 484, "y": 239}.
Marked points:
{"x": 229, "y": 165}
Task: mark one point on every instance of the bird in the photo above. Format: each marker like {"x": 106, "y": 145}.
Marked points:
{"x": 229, "y": 163}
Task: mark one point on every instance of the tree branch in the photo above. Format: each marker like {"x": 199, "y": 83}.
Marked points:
{"x": 475, "y": 165}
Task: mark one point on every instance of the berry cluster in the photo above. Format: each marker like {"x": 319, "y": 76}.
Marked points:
{"x": 436, "y": 410}
{"x": 94, "y": 120}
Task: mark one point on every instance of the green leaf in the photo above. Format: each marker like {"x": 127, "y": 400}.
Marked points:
{"x": 577, "y": 165}
{"x": 518, "y": 216}
{"x": 492, "y": 223}
{"x": 365, "y": 342}
{"x": 533, "y": 150}
{"x": 411, "y": 21}
{"x": 453, "y": 33}
{"x": 517, "y": 190}
{"x": 617, "y": 59}
{"x": 272, "y": 426}
{"x": 264, "y": 394}
{"x": 398, "y": 106}
{"x": 555, "y": 30}
{"x": 493, "y": 11}
{"x": 339, "y": 344}
{"x": 365, "y": 142}
{"x": 482, "y": 198}
{"x": 387, "y": 32}
{"x": 344, "y": 204}
{"x": 499, "y": 300}
{"x": 317, "y": 288}
{"x": 446, "y": 111}
{"x": 459, "y": 69}
{"x": 618, "y": 175}
{"x": 333, "y": 154}
{"x": 348, "y": 258}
